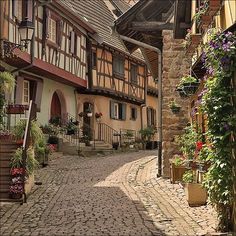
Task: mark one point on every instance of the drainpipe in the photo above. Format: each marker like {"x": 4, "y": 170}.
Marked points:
{"x": 159, "y": 108}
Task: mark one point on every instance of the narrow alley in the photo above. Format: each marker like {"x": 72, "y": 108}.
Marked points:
{"x": 112, "y": 195}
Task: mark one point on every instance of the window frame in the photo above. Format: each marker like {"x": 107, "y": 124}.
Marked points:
{"x": 135, "y": 113}
{"x": 117, "y": 110}
{"x": 134, "y": 78}
{"x": 118, "y": 64}
{"x": 23, "y": 92}
{"x": 49, "y": 30}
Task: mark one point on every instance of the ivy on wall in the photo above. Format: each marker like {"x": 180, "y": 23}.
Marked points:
{"x": 218, "y": 103}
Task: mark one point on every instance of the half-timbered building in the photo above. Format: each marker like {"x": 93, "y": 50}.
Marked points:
{"x": 53, "y": 66}
{"x": 117, "y": 81}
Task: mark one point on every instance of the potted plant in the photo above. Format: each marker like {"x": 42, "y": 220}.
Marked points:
{"x": 188, "y": 85}
{"x": 53, "y": 140}
{"x": 196, "y": 194}
{"x": 177, "y": 168}
{"x": 31, "y": 166}
{"x": 70, "y": 128}
{"x": 36, "y": 133}
{"x": 147, "y": 134}
{"x": 115, "y": 145}
{"x": 98, "y": 116}
{"x": 175, "y": 108}
{"x": 187, "y": 142}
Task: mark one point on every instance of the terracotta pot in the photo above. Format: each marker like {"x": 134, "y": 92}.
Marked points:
{"x": 15, "y": 195}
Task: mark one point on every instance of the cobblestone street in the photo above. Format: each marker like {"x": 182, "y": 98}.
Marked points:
{"x": 113, "y": 195}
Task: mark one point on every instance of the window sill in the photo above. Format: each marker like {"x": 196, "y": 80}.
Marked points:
{"x": 119, "y": 76}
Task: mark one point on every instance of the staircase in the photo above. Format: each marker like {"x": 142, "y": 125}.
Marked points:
{"x": 7, "y": 149}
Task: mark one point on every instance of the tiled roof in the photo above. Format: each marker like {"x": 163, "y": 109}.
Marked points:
{"x": 97, "y": 14}
{"x": 121, "y": 5}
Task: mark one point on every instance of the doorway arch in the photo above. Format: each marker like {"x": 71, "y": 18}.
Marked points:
{"x": 58, "y": 106}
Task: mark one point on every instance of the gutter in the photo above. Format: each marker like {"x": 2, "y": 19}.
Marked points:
{"x": 159, "y": 108}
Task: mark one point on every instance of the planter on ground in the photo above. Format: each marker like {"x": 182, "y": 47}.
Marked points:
{"x": 196, "y": 194}
{"x": 176, "y": 172}
{"x": 29, "y": 183}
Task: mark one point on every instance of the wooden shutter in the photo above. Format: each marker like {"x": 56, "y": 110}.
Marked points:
{"x": 112, "y": 110}
{"x": 38, "y": 96}
{"x": 59, "y": 32}
{"x": 19, "y": 89}
{"x": 14, "y": 8}
{"x": 135, "y": 113}
{"x": 123, "y": 112}
{"x": 72, "y": 42}
{"x": 148, "y": 117}
{"x": 46, "y": 14}
{"x": 29, "y": 13}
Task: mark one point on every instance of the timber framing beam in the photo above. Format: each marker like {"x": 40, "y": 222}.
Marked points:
{"x": 151, "y": 26}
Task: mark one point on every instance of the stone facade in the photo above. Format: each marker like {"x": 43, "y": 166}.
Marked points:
{"x": 175, "y": 64}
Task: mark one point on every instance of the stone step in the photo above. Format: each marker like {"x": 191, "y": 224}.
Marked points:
{"x": 5, "y": 178}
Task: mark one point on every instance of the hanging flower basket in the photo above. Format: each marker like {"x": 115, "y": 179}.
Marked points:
{"x": 175, "y": 108}
{"x": 188, "y": 86}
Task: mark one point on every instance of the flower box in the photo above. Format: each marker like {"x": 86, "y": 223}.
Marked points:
{"x": 196, "y": 194}
{"x": 192, "y": 42}
{"x": 205, "y": 21}
{"x": 176, "y": 172}
{"x": 213, "y": 7}
{"x": 15, "y": 109}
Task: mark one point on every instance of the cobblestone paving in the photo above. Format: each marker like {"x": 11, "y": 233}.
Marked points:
{"x": 113, "y": 195}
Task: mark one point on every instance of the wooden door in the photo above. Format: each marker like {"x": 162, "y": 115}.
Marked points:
{"x": 55, "y": 106}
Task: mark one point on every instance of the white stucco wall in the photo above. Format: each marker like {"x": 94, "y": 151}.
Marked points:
{"x": 49, "y": 87}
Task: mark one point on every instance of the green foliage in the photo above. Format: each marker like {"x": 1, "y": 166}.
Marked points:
{"x": 36, "y": 133}
{"x": 7, "y": 81}
{"x": 177, "y": 160}
{"x": 187, "y": 142}
{"x": 53, "y": 139}
{"x": 147, "y": 133}
{"x": 187, "y": 79}
{"x": 219, "y": 105}
{"x": 31, "y": 163}
{"x": 188, "y": 176}
{"x": 173, "y": 105}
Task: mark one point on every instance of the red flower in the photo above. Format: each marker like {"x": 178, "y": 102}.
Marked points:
{"x": 199, "y": 145}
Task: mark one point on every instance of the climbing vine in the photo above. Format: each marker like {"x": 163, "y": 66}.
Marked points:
{"x": 218, "y": 103}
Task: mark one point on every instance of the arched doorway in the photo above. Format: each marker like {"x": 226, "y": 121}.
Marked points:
{"x": 56, "y": 114}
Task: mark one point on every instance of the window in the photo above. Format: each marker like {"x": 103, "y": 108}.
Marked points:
{"x": 151, "y": 116}
{"x": 133, "y": 113}
{"x": 94, "y": 59}
{"x": 117, "y": 110}
{"x": 52, "y": 30}
{"x": 17, "y": 9}
{"x": 26, "y": 92}
{"x": 22, "y": 9}
{"x": 133, "y": 73}
{"x": 118, "y": 66}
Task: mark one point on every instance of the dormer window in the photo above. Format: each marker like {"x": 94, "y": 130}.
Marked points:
{"x": 118, "y": 66}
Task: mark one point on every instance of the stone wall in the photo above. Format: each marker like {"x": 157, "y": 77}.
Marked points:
{"x": 175, "y": 64}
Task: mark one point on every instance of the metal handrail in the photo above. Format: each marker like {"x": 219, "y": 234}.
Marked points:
{"x": 107, "y": 133}
{"x": 25, "y": 146}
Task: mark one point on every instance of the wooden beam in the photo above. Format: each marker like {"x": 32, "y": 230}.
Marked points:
{"x": 151, "y": 26}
